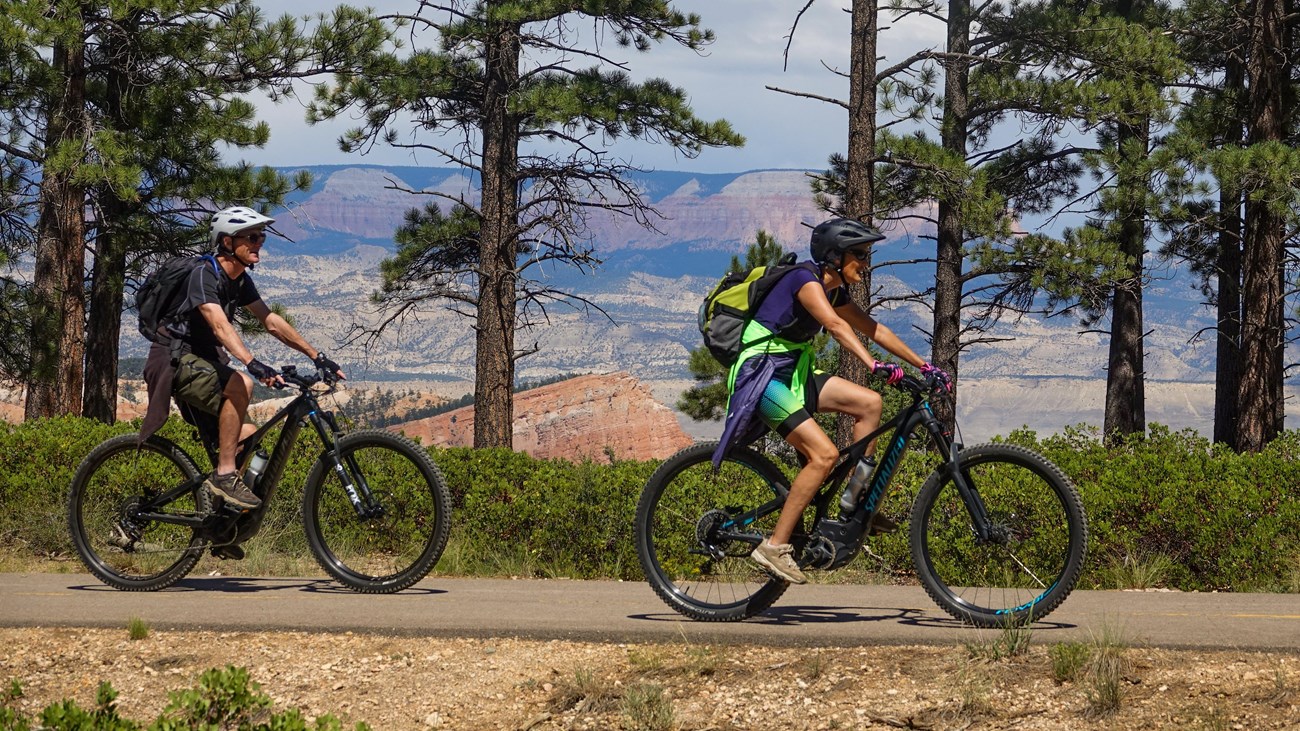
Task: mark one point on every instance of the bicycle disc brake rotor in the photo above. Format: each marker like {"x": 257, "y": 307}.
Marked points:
{"x": 1001, "y": 532}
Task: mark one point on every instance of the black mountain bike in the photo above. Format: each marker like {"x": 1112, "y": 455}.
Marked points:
{"x": 998, "y": 534}
{"x": 375, "y": 509}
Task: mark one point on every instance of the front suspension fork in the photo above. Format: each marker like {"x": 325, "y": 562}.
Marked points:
{"x": 358, "y": 490}
{"x": 970, "y": 495}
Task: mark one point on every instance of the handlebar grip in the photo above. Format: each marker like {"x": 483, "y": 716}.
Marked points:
{"x": 924, "y": 384}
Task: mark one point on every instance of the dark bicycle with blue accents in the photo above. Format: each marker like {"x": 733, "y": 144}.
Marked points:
{"x": 375, "y": 508}
{"x": 998, "y": 533}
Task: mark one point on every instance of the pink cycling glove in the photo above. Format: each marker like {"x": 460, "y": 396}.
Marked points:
{"x": 941, "y": 377}
{"x": 891, "y": 372}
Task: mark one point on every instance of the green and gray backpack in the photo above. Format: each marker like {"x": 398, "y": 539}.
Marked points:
{"x": 729, "y": 307}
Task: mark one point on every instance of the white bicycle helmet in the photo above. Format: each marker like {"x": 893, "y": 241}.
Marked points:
{"x": 233, "y": 220}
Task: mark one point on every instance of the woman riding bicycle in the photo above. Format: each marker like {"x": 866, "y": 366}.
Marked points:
{"x": 774, "y": 380}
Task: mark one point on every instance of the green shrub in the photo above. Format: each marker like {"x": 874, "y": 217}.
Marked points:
{"x": 1224, "y": 521}
{"x": 224, "y": 699}
{"x": 1219, "y": 520}
{"x": 571, "y": 519}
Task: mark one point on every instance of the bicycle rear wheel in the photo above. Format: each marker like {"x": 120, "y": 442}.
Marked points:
{"x": 1033, "y": 557}
{"x": 693, "y": 539}
{"x": 392, "y": 551}
{"x": 124, "y": 549}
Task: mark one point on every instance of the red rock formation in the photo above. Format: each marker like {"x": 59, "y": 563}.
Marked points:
{"x": 572, "y": 419}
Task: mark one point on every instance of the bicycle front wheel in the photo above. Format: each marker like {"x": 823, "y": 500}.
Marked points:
{"x": 1038, "y": 537}
{"x": 401, "y": 541}
{"x": 114, "y": 539}
{"x": 695, "y": 529}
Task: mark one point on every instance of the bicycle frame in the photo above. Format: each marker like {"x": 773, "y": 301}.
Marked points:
{"x": 903, "y": 424}
{"x": 295, "y": 414}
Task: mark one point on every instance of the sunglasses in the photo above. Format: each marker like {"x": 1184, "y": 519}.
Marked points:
{"x": 253, "y": 238}
{"x": 860, "y": 254}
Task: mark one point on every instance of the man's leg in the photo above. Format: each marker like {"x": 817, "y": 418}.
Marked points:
{"x": 230, "y": 421}
{"x": 226, "y": 482}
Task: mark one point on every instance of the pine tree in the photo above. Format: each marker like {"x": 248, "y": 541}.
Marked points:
{"x": 975, "y": 189}
{"x": 1205, "y": 221}
{"x": 1105, "y": 68}
{"x": 507, "y": 90}
{"x": 161, "y": 85}
{"x": 1269, "y": 168}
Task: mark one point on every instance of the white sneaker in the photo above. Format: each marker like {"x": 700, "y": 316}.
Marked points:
{"x": 779, "y": 561}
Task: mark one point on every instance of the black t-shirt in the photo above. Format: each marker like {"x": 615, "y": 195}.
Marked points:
{"x": 210, "y": 285}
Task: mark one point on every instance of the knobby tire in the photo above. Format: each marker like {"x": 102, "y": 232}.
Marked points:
{"x": 1040, "y": 546}
{"x": 114, "y": 476}
{"x": 386, "y": 554}
{"x": 676, "y": 502}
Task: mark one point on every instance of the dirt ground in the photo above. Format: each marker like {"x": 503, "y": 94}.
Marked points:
{"x": 438, "y": 683}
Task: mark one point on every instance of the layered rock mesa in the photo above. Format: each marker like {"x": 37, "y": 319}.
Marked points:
{"x": 574, "y": 419}
{"x": 719, "y": 211}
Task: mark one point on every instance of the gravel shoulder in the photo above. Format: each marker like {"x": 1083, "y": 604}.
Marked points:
{"x": 506, "y": 683}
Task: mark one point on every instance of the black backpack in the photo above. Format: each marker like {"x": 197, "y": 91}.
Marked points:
{"x": 159, "y": 298}
{"x": 728, "y": 308}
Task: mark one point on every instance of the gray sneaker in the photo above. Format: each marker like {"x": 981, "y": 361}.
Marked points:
{"x": 231, "y": 488}
{"x": 779, "y": 561}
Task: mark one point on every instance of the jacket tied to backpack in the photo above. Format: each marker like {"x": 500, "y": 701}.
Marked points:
{"x": 748, "y": 378}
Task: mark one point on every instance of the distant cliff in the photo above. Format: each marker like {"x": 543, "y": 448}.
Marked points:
{"x": 573, "y": 419}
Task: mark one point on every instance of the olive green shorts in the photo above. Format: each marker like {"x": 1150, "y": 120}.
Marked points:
{"x": 201, "y": 383}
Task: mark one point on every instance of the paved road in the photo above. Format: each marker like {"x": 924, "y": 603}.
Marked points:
{"x": 618, "y": 611}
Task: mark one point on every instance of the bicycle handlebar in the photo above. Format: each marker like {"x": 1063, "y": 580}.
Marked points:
{"x": 924, "y": 384}
{"x": 304, "y": 381}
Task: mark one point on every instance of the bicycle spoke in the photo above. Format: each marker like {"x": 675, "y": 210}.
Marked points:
{"x": 115, "y": 540}
{"x": 397, "y": 541}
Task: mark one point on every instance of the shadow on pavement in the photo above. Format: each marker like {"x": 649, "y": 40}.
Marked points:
{"x": 240, "y": 585}
{"x": 812, "y": 615}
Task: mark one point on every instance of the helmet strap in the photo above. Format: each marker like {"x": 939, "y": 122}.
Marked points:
{"x": 225, "y": 250}
{"x": 836, "y": 268}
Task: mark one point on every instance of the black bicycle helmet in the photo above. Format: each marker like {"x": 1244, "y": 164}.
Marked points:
{"x": 834, "y": 237}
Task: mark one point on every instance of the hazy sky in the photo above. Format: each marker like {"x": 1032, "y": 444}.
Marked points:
{"x": 727, "y": 82}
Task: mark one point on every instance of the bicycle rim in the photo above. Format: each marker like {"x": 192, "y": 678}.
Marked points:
{"x": 386, "y": 553}
{"x": 694, "y": 537}
{"x": 113, "y": 541}
{"x": 1035, "y": 555}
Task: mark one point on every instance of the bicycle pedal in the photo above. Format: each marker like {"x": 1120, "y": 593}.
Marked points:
{"x": 880, "y": 525}
{"x": 232, "y": 553}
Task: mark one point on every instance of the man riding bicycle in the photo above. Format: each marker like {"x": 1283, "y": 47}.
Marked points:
{"x": 773, "y": 383}
{"x": 194, "y": 366}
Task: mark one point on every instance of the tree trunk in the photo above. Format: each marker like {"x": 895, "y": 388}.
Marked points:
{"x": 1125, "y": 410}
{"x": 1227, "y": 366}
{"x": 108, "y": 278}
{"x": 859, "y": 190}
{"x": 945, "y": 339}
{"x": 495, "y": 366}
{"x": 1262, "y": 334}
{"x": 56, "y": 383}
{"x": 104, "y": 325}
